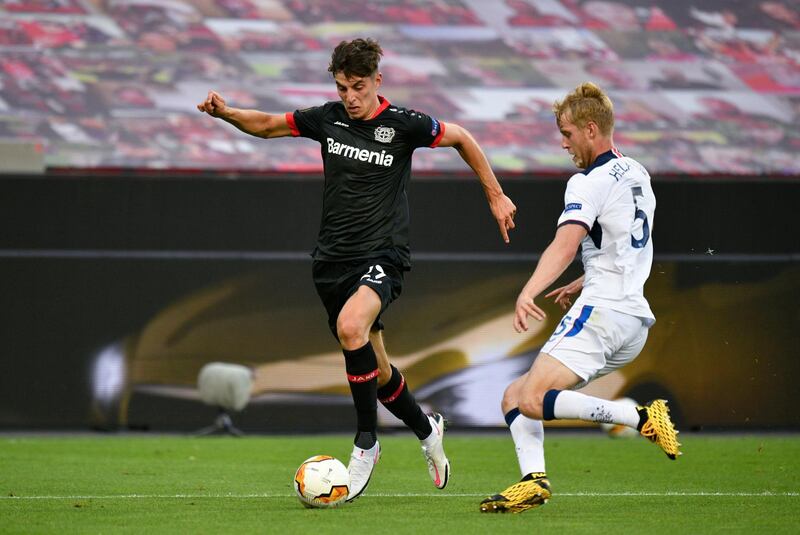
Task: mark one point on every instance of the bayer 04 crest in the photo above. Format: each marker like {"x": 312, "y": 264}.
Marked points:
{"x": 384, "y": 134}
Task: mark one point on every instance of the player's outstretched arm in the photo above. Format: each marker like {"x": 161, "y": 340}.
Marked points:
{"x": 555, "y": 259}
{"x": 253, "y": 122}
{"x": 502, "y": 208}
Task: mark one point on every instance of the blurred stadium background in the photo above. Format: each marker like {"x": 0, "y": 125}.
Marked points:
{"x": 142, "y": 240}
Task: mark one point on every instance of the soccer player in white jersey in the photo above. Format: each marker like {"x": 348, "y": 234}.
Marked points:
{"x": 608, "y": 212}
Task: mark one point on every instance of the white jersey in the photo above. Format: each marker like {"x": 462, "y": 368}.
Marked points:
{"x": 614, "y": 201}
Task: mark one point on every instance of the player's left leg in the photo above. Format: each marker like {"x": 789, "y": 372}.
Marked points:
{"x": 394, "y": 394}
{"x": 652, "y": 420}
{"x": 614, "y": 341}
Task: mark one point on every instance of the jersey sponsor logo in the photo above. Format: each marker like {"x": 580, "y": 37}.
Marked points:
{"x": 573, "y": 206}
{"x": 364, "y": 155}
{"x": 340, "y": 123}
{"x": 384, "y": 134}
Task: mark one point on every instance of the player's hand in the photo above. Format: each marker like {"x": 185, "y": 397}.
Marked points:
{"x": 504, "y": 211}
{"x": 526, "y": 307}
{"x": 214, "y": 105}
{"x": 562, "y": 294}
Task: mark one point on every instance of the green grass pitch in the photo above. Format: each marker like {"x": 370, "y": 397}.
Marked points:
{"x": 175, "y": 484}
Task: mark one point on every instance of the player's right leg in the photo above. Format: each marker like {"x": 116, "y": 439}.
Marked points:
{"x": 533, "y": 489}
{"x": 352, "y": 326}
{"x": 522, "y": 402}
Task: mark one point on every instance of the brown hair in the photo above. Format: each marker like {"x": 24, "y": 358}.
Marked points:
{"x": 358, "y": 57}
{"x": 586, "y": 103}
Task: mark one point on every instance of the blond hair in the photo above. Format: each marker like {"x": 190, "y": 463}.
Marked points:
{"x": 586, "y": 103}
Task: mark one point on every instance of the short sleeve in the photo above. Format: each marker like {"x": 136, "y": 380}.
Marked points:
{"x": 580, "y": 203}
{"x": 306, "y": 122}
{"x": 424, "y": 130}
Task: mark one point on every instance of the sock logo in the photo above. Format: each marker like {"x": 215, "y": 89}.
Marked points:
{"x": 364, "y": 377}
{"x": 601, "y": 415}
{"x": 396, "y": 393}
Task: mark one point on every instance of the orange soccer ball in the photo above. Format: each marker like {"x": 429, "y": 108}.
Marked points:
{"x": 322, "y": 481}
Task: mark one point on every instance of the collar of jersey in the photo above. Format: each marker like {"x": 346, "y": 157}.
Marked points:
{"x": 601, "y": 160}
{"x": 384, "y": 103}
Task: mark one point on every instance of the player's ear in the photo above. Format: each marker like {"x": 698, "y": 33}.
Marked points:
{"x": 378, "y": 79}
{"x": 591, "y": 129}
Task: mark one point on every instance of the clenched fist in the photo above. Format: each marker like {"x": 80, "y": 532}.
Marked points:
{"x": 213, "y": 105}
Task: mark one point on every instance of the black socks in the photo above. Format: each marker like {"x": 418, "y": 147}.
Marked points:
{"x": 362, "y": 375}
{"x": 642, "y": 417}
{"x": 396, "y": 397}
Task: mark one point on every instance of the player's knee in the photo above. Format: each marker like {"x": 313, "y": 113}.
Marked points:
{"x": 352, "y": 334}
{"x": 531, "y": 405}
{"x": 509, "y": 398}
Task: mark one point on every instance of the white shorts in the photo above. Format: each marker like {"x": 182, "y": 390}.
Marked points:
{"x": 594, "y": 341}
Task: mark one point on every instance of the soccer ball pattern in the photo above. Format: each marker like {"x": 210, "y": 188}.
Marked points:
{"x": 322, "y": 481}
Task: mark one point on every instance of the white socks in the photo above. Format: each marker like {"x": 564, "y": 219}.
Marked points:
{"x": 528, "y": 434}
{"x": 571, "y": 404}
{"x": 528, "y": 438}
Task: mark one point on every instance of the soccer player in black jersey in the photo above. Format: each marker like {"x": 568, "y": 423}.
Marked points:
{"x": 362, "y": 247}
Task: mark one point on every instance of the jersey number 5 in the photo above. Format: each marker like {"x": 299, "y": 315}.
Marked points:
{"x": 638, "y": 243}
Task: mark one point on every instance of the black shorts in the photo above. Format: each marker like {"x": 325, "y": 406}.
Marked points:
{"x": 337, "y": 281}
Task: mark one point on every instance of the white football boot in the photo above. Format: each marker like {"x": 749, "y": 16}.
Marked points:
{"x": 433, "y": 450}
{"x": 362, "y": 463}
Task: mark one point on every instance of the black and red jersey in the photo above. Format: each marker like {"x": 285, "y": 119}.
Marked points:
{"x": 367, "y": 167}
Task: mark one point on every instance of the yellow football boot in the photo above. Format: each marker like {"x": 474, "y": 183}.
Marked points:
{"x": 526, "y": 494}
{"x": 659, "y": 429}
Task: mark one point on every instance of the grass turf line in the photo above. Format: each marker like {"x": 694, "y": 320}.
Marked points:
{"x": 223, "y": 485}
